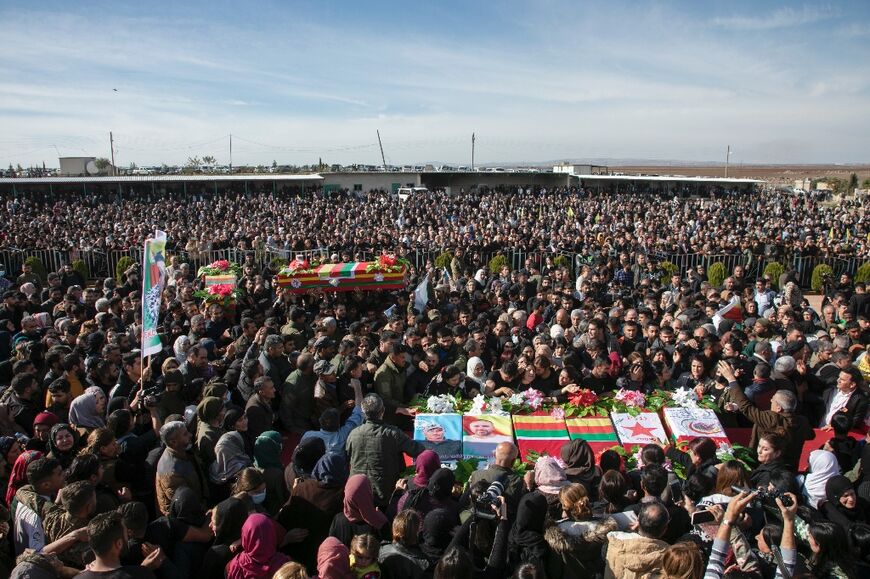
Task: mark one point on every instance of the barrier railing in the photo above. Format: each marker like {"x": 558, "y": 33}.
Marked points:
{"x": 101, "y": 264}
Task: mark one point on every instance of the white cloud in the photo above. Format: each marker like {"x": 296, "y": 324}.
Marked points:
{"x": 785, "y": 17}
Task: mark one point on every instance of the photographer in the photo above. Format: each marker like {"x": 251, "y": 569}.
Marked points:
{"x": 501, "y": 470}
{"x": 727, "y": 534}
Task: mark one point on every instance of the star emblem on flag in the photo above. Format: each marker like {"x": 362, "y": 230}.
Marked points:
{"x": 638, "y": 429}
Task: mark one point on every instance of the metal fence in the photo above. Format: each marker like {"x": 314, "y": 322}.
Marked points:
{"x": 101, "y": 264}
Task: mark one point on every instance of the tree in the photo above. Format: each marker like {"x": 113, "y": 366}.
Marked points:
{"x": 208, "y": 160}
{"x": 274, "y": 164}
{"x": 853, "y": 182}
{"x": 864, "y": 185}
{"x": 102, "y": 164}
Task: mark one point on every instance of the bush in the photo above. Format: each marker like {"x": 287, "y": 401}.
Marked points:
{"x": 38, "y": 268}
{"x": 863, "y": 273}
{"x": 819, "y": 273}
{"x": 773, "y": 270}
{"x": 670, "y": 269}
{"x": 277, "y": 263}
{"x": 561, "y": 261}
{"x": 443, "y": 260}
{"x": 123, "y": 265}
{"x": 716, "y": 274}
{"x": 81, "y": 267}
{"x": 496, "y": 263}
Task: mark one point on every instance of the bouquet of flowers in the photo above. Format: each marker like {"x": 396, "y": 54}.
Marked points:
{"x": 483, "y": 405}
{"x": 388, "y": 263}
{"x": 529, "y": 400}
{"x": 630, "y": 398}
{"x": 220, "y": 267}
{"x": 223, "y": 293}
{"x": 442, "y": 404}
{"x": 300, "y": 265}
{"x": 685, "y": 398}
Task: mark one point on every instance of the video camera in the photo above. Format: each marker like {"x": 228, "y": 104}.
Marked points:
{"x": 765, "y": 495}
{"x": 482, "y": 503}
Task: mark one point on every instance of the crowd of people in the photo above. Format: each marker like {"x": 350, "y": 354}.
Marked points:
{"x": 773, "y": 224}
{"x": 268, "y": 437}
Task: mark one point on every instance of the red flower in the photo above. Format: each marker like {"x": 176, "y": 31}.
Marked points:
{"x": 387, "y": 260}
{"x": 298, "y": 264}
{"x": 221, "y": 264}
{"x": 583, "y": 398}
{"x": 223, "y": 290}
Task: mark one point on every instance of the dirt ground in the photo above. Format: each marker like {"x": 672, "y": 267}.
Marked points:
{"x": 771, "y": 173}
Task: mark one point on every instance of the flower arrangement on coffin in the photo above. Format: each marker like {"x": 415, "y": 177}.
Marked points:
{"x": 220, "y": 267}
{"x": 224, "y": 294}
{"x": 300, "y": 265}
{"x": 524, "y": 402}
{"x": 585, "y": 402}
{"x": 388, "y": 263}
{"x": 441, "y": 404}
{"x": 630, "y": 401}
{"x": 483, "y": 405}
{"x": 737, "y": 452}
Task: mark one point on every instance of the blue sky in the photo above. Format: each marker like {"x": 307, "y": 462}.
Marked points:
{"x": 536, "y": 81}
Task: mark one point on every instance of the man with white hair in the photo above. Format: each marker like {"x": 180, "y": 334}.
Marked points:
{"x": 177, "y": 466}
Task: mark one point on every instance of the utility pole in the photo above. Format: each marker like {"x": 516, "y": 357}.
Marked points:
{"x": 231, "y": 153}
{"x": 381, "y": 145}
{"x": 472, "y": 151}
{"x": 112, "y": 147}
{"x": 727, "y": 158}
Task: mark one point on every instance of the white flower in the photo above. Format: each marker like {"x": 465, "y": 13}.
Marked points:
{"x": 516, "y": 399}
{"x": 685, "y": 397}
{"x": 441, "y": 404}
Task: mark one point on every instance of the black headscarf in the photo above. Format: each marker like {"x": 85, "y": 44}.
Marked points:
{"x": 307, "y": 454}
{"x": 438, "y": 528}
{"x": 65, "y": 458}
{"x": 185, "y": 507}
{"x": 230, "y": 515}
{"x": 441, "y": 484}
{"x": 579, "y": 461}
{"x": 526, "y": 541}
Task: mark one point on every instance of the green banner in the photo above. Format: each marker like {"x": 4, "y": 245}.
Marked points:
{"x": 153, "y": 280}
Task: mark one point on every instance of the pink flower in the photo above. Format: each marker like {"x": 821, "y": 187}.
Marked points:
{"x": 534, "y": 398}
{"x": 221, "y": 264}
{"x": 558, "y": 413}
{"x": 631, "y": 398}
{"x": 223, "y": 290}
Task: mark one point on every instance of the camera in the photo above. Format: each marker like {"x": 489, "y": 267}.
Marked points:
{"x": 765, "y": 495}
{"x": 484, "y": 502}
{"x": 151, "y": 396}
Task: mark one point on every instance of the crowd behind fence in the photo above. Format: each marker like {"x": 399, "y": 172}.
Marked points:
{"x": 102, "y": 264}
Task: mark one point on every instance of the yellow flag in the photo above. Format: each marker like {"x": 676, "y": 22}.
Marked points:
{"x": 848, "y": 234}
{"x": 570, "y": 212}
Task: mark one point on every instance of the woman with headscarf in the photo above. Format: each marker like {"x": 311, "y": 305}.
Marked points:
{"x": 180, "y": 348}
{"x": 63, "y": 444}
{"x": 823, "y": 467}
{"x": 230, "y": 458}
{"x": 526, "y": 543}
{"x": 227, "y": 518}
{"x": 359, "y": 514}
{"x": 316, "y": 500}
{"x": 18, "y": 476}
{"x": 333, "y": 560}
{"x": 426, "y": 463}
{"x": 475, "y": 376}
{"x": 549, "y": 479}
{"x": 842, "y": 505}
{"x": 236, "y": 419}
{"x": 436, "y": 495}
{"x": 86, "y": 411}
{"x": 267, "y": 457}
{"x": 580, "y": 466}
{"x": 438, "y": 527}
{"x": 210, "y": 414}
{"x": 260, "y": 558}
{"x": 183, "y": 534}
{"x": 305, "y": 457}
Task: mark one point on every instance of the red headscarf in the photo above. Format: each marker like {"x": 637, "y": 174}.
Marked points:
{"x": 426, "y": 463}
{"x": 333, "y": 560}
{"x": 260, "y": 558}
{"x": 359, "y": 502}
{"x": 18, "y": 478}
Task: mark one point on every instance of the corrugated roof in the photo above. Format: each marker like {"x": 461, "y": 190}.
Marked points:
{"x": 668, "y": 178}
{"x": 156, "y": 179}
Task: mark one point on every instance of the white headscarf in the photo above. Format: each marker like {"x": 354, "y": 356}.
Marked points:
{"x": 823, "y": 465}
{"x": 469, "y": 370}
{"x": 180, "y": 348}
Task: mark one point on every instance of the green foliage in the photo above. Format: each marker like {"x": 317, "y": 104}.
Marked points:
{"x": 819, "y": 273}
{"x": 81, "y": 267}
{"x": 38, "y": 267}
{"x": 277, "y": 263}
{"x": 716, "y": 274}
{"x": 464, "y": 468}
{"x": 561, "y": 261}
{"x": 863, "y": 273}
{"x": 444, "y": 259}
{"x": 670, "y": 269}
{"x": 123, "y": 264}
{"x": 773, "y": 270}
{"x": 496, "y": 263}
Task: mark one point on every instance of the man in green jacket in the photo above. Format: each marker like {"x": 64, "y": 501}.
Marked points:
{"x": 375, "y": 450}
{"x": 390, "y": 381}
